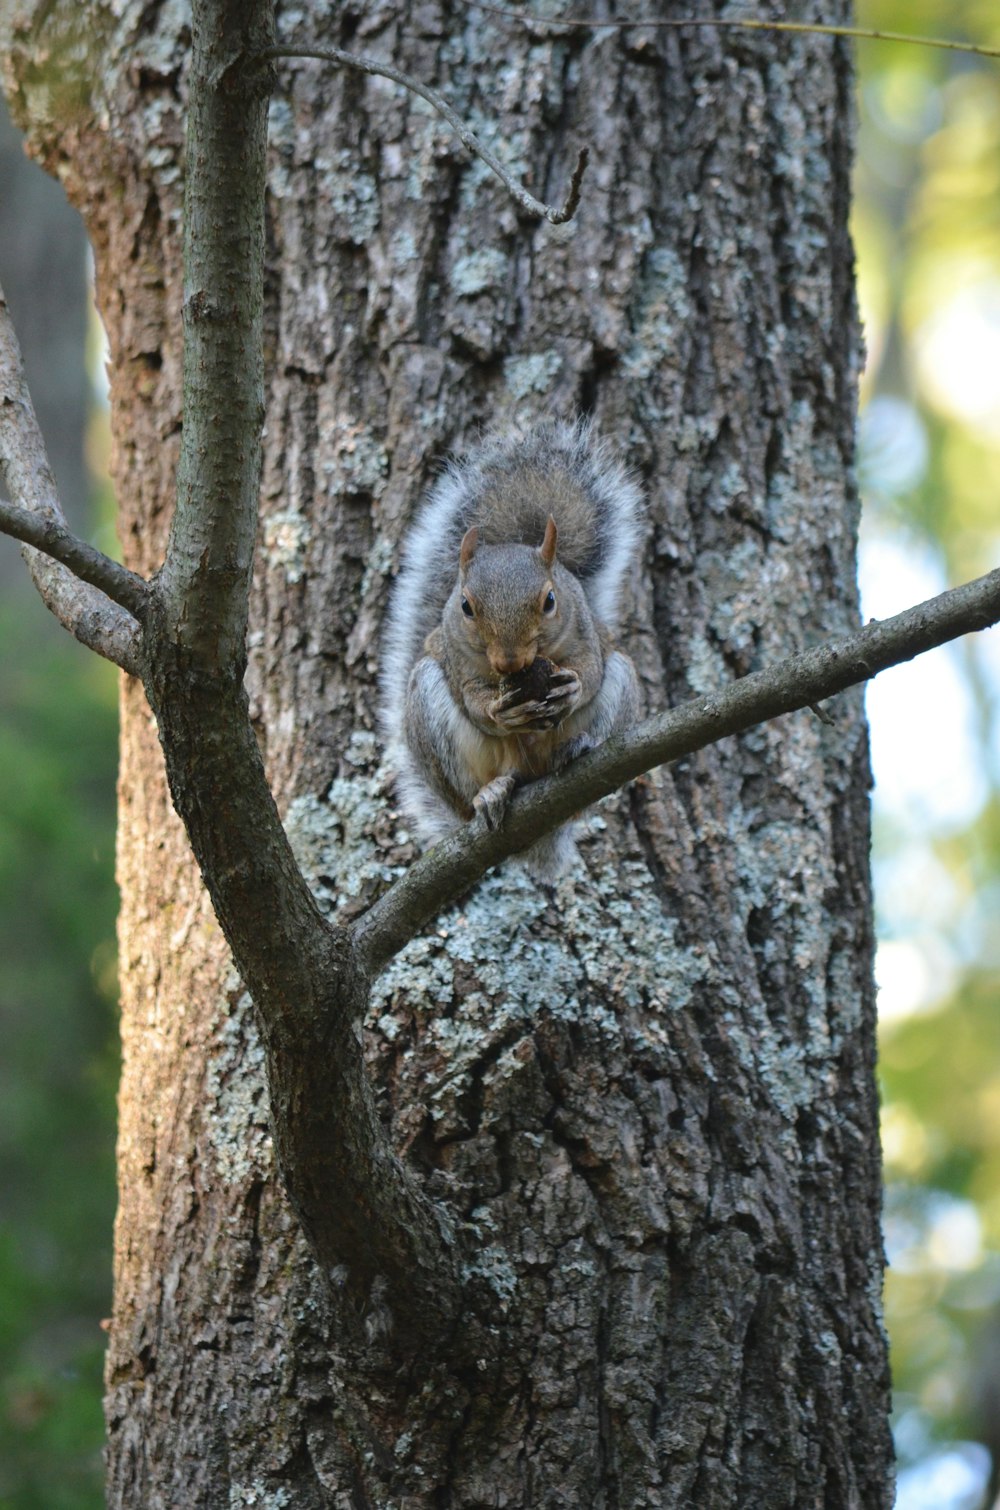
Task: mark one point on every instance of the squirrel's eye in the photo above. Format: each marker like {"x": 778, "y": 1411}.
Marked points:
{"x": 467, "y": 609}
{"x": 549, "y": 606}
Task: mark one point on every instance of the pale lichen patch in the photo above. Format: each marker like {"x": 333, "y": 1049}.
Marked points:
{"x": 332, "y": 838}
{"x": 236, "y": 1094}
{"x": 613, "y": 962}
{"x": 354, "y": 196}
{"x": 378, "y": 564}
{"x": 353, "y": 460}
{"x": 480, "y": 270}
{"x": 286, "y": 542}
{"x": 661, "y": 315}
{"x": 493, "y": 1265}
{"x": 534, "y": 373}
{"x": 259, "y": 1496}
{"x": 706, "y": 667}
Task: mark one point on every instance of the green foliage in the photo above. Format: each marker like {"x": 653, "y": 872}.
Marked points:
{"x": 58, "y": 1068}
{"x": 927, "y": 226}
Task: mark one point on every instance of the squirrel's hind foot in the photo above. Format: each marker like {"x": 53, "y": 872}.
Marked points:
{"x": 492, "y": 799}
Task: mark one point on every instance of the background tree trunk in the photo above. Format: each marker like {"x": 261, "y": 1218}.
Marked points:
{"x": 45, "y": 278}
{"x": 652, "y": 1086}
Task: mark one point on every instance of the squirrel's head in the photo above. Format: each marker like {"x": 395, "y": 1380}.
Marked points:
{"x": 508, "y": 599}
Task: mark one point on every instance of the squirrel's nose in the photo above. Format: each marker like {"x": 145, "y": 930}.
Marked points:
{"x": 509, "y": 663}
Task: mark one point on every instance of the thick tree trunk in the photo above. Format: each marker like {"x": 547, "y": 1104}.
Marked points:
{"x": 652, "y": 1087}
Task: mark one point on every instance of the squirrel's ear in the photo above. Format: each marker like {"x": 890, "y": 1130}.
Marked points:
{"x": 547, "y": 550}
{"x": 469, "y": 542}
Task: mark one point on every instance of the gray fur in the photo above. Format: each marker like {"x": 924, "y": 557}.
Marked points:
{"x": 507, "y": 489}
{"x": 598, "y": 553}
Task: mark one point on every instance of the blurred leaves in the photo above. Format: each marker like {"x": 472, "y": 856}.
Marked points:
{"x": 927, "y": 225}
{"x": 58, "y": 1070}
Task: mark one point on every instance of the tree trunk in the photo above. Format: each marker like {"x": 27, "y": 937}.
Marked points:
{"x": 651, "y": 1087}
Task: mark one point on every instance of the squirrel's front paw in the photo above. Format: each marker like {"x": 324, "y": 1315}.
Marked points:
{"x": 563, "y": 693}
{"x": 492, "y": 799}
{"x": 536, "y": 699}
{"x": 522, "y": 718}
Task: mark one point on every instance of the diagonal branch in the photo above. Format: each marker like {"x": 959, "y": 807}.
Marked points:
{"x": 798, "y": 681}
{"x": 91, "y": 595}
{"x": 531, "y": 206}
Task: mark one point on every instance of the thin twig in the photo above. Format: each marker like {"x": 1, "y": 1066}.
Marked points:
{"x": 80, "y": 603}
{"x": 816, "y": 28}
{"x": 84, "y": 561}
{"x": 527, "y": 201}
{"x": 798, "y": 681}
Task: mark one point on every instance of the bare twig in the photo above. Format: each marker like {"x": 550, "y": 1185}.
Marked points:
{"x": 813, "y": 28}
{"x": 527, "y": 201}
{"x": 799, "y": 681}
{"x": 85, "y": 562}
{"x": 82, "y": 600}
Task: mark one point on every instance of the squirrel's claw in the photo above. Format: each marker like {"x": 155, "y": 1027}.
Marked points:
{"x": 565, "y": 692}
{"x": 524, "y": 716}
{"x": 509, "y": 701}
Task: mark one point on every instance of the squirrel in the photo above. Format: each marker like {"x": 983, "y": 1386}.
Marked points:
{"x": 498, "y": 658}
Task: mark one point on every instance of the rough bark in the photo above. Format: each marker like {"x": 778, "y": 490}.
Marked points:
{"x": 650, "y": 1090}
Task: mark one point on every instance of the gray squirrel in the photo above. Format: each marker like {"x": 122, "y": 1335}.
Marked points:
{"x": 498, "y": 658}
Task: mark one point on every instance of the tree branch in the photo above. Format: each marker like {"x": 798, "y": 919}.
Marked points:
{"x": 205, "y": 581}
{"x": 361, "y": 1209}
{"x": 84, "y": 561}
{"x": 798, "y": 681}
{"x": 742, "y": 23}
{"x": 527, "y": 201}
{"x": 91, "y": 595}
